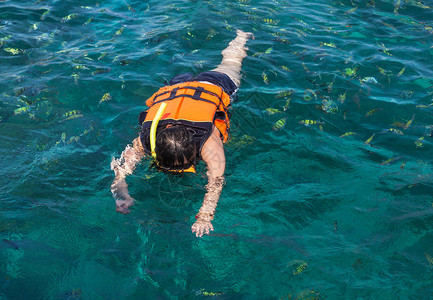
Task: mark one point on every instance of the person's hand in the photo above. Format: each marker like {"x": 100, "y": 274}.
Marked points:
{"x": 201, "y": 227}
{"x": 122, "y": 206}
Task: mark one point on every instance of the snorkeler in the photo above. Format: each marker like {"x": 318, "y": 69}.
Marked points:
{"x": 186, "y": 121}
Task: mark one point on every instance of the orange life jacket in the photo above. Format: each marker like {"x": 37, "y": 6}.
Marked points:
{"x": 196, "y": 105}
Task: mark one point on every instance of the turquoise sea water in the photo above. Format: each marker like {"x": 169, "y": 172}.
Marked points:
{"x": 339, "y": 209}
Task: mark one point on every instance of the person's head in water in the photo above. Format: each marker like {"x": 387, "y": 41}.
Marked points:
{"x": 175, "y": 148}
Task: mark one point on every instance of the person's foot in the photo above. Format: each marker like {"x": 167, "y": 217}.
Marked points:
{"x": 243, "y": 34}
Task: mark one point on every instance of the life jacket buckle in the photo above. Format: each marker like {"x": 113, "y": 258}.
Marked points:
{"x": 197, "y": 93}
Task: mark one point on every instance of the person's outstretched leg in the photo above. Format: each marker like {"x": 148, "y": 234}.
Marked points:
{"x": 233, "y": 56}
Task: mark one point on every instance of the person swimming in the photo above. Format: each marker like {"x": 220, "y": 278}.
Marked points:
{"x": 186, "y": 121}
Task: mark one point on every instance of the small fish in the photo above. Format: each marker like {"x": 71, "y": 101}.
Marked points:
{"x": 62, "y": 139}
{"x": 103, "y": 54}
{"x": 305, "y": 67}
{"x": 389, "y": 161}
{"x": 101, "y": 71}
{"x": 309, "y": 95}
{"x": 279, "y": 124}
{"x": 68, "y": 18}
{"x": 104, "y": 98}
{"x": 310, "y": 122}
{"x": 373, "y": 111}
{"x": 202, "y": 292}
{"x": 129, "y": 6}
{"x": 265, "y": 77}
{"x": 332, "y": 45}
{"x": 394, "y": 130}
{"x": 286, "y": 106}
{"x": 401, "y": 71}
{"x": 398, "y": 124}
{"x": 369, "y": 80}
{"x": 44, "y": 15}
{"x": 272, "y": 111}
{"x": 21, "y": 110}
{"x": 402, "y": 165}
{"x": 349, "y": 133}
{"x": 301, "y": 268}
{"x": 271, "y": 21}
{"x": 368, "y": 141}
{"x": 419, "y": 142}
{"x": 384, "y": 72}
{"x": 88, "y": 21}
{"x": 73, "y": 114}
{"x": 406, "y": 126}
{"x": 285, "y": 68}
{"x": 34, "y": 27}
{"x": 73, "y": 139}
{"x": 120, "y": 31}
{"x": 199, "y": 64}
{"x": 282, "y": 40}
{"x": 396, "y": 6}
{"x": 81, "y": 67}
{"x": 351, "y": 10}
{"x": 330, "y": 86}
{"x": 383, "y": 48}
{"x": 269, "y": 50}
{"x": 342, "y": 97}
{"x": 424, "y": 106}
{"x": 329, "y": 106}
{"x": 351, "y": 71}
{"x": 76, "y": 76}
{"x": 284, "y": 94}
{"x": 14, "y": 51}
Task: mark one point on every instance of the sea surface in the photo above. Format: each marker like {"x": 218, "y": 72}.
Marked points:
{"x": 329, "y": 187}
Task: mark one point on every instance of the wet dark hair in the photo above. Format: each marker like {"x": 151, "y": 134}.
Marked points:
{"x": 175, "y": 148}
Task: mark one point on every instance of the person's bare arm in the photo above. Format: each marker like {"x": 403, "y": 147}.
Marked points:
{"x": 213, "y": 154}
{"x": 123, "y": 167}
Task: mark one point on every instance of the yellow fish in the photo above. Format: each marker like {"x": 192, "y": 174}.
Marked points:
{"x": 265, "y": 77}
{"x": 301, "y": 268}
{"x": 395, "y": 131}
{"x": 285, "y": 68}
{"x": 373, "y": 111}
{"x": 120, "y": 31}
{"x": 284, "y": 94}
{"x": 279, "y": 124}
{"x": 368, "y": 141}
{"x": 68, "y": 17}
{"x": 347, "y": 134}
{"x": 389, "y": 161}
{"x": 271, "y": 21}
{"x": 310, "y": 122}
{"x": 286, "y": 106}
{"x": 271, "y": 111}
{"x": 419, "y": 142}
{"x": 104, "y": 98}
{"x": 342, "y": 97}
{"x": 13, "y": 51}
{"x": 309, "y": 95}
{"x": 73, "y": 114}
{"x": 406, "y": 126}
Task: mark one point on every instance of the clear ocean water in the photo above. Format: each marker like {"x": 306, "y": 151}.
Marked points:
{"x": 329, "y": 167}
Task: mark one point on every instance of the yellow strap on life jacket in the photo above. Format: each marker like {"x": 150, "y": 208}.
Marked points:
{"x": 153, "y": 136}
{"x": 153, "y": 129}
